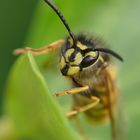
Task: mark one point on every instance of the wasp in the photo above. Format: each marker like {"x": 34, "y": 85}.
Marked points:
{"x": 87, "y": 62}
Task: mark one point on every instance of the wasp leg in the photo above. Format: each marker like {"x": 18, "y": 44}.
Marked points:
{"x": 43, "y": 50}
{"x": 72, "y": 91}
{"x": 84, "y": 108}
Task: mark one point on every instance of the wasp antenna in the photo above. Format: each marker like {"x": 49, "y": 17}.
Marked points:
{"x": 105, "y": 50}
{"x": 62, "y": 19}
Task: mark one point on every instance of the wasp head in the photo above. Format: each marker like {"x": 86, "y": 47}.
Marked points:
{"x": 76, "y": 57}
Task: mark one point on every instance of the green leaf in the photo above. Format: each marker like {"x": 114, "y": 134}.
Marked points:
{"x": 28, "y": 103}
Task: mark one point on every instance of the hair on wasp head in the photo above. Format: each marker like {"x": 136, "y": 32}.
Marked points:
{"x": 78, "y": 53}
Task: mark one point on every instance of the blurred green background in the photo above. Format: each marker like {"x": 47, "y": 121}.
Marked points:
{"x": 34, "y": 24}
{"x": 14, "y": 24}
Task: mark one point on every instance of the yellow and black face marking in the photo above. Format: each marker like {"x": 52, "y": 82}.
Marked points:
{"x": 77, "y": 57}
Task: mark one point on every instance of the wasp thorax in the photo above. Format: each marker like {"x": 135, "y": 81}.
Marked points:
{"x": 77, "y": 58}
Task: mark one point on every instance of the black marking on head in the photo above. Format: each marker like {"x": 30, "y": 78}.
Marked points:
{"x": 65, "y": 70}
{"x": 72, "y": 57}
{"x": 86, "y": 51}
{"x": 68, "y": 44}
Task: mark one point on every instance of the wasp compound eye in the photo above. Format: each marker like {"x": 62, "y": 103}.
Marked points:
{"x": 87, "y": 61}
{"x": 90, "y": 58}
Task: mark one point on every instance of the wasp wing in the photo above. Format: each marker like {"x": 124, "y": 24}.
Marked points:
{"x": 115, "y": 108}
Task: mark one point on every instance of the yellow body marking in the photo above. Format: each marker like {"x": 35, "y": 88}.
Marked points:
{"x": 68, "y": 53}
{"x": 62, "y": 62}
{"x": 73, "y": 70}
{"x": 81, "y": 46}
{"x": 78, "y": 59}
{"x": 70, "y": 41}
{"x": 92, "y": 53}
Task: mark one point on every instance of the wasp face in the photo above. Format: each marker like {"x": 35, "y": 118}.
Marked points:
{"x": 76, "y": 58}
